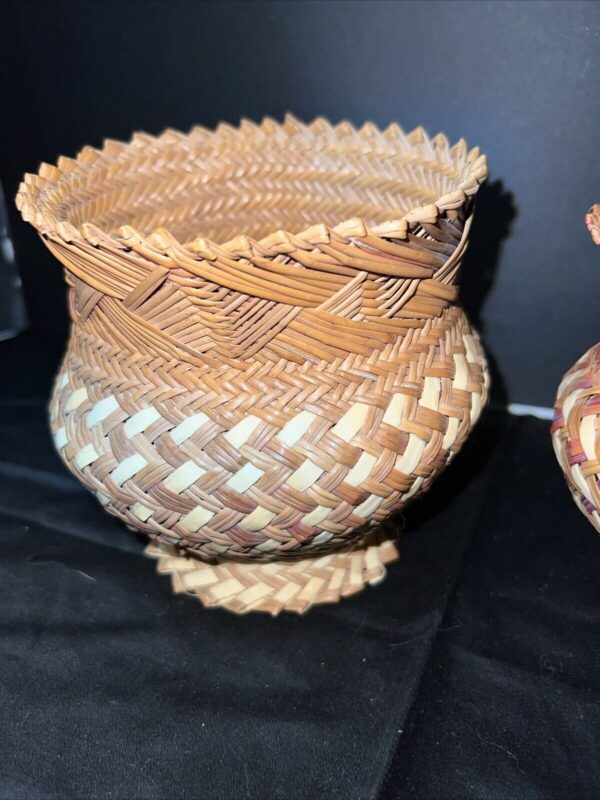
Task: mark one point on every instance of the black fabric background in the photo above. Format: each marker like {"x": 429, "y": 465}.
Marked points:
{"x": 471, "y": 672}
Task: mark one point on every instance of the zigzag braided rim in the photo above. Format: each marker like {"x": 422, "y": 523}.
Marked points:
{"x": 41, "y": 197}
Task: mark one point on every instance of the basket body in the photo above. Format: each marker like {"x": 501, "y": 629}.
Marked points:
{"x": 268, "y": 397}
{"x": 575, "y": 432}
{"x": 230, "y": 469}
{"x": 577, "y": 418}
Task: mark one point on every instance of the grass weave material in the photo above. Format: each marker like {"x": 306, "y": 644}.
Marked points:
{"x": 575, "y": 432}
{"x": 274, "y": 586}
{"x": 576, "y": 426}
{"x": 258, "y": 395}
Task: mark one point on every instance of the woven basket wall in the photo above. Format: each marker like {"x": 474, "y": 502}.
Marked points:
{"x": 575, "y": 432}
{"x": 267, "y": 351}
{"x": 576, "y": 426}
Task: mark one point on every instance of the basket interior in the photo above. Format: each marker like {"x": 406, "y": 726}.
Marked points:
{"x": 255, "y": 180}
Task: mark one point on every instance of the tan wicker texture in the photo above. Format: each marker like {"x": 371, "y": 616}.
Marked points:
{"x": 576, "y": 426}
{"x": 576, "y": 432}
{"x": 274, "y": 586}
{"x": 262, "y": 396}
{"x": 592, "y": 220}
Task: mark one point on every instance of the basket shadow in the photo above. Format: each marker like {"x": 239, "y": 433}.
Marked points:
{"x": 492, "y": 225}
{"x": 494, "y": 216}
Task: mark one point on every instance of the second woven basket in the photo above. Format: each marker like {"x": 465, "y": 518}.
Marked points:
{"x": 255, "y": 400}
{"x": 576, "y": 425}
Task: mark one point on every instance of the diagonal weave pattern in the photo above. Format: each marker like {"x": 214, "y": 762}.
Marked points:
{"x": 277, "y": 585}
{"x": 262, "y": 396}
{"x": 576, "y": 426}
{"x": 576, "y": 432}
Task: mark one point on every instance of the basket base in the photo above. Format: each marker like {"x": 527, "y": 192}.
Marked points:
{"x": 277, "y": 586}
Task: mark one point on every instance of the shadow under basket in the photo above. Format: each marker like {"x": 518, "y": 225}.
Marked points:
{"x": 255, "y": 400}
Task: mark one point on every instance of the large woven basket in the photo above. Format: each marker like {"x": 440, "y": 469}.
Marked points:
{"x": 267, "y": 354}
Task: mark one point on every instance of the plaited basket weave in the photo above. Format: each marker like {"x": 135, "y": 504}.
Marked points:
{"x": 253, "y": 400}
{"x": 576, "y": 425}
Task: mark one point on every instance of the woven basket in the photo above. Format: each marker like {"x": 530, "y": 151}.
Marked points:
{"x": 254, "y": 400}
{"x": 577, "y": 419}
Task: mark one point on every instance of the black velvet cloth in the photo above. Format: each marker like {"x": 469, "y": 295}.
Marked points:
{"x": 473, "y": 671}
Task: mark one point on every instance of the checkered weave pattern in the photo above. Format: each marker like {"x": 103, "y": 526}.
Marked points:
{"x": 576, "y": 432}
{"x": 576, "y": 426}
{"x": 274, "y": 586}
{"x": 262, "y": 396}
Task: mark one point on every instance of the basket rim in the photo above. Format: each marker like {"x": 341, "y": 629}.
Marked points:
{"x": 45, "y": 218}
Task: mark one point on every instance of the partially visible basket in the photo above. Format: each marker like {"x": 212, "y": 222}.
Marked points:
{"x": 256, "y": 396}
{"x": 576, "y": 426}
{"x": 575, "y": 432}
